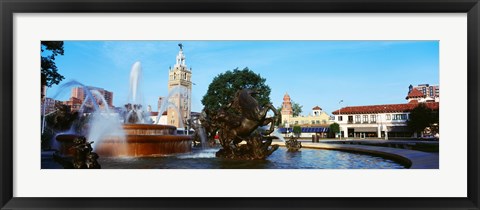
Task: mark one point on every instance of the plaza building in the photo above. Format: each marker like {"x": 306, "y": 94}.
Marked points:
{"x": 381, "y": 121}
{"x": 180, "y": 85}
{"x": 317, "y": 122}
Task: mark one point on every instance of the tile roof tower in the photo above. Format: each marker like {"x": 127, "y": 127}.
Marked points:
{"x": 287, "y": 111}
{"x": 180, "y": 76}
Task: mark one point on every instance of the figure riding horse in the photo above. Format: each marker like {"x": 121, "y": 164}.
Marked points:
{"x": 247, "y": 116}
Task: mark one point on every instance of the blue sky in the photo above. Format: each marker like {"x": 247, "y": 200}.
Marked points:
{"x": 312, "y": 72}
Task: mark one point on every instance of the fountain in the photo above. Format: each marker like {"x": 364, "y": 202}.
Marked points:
{"x": 245, "y": 133}
{"x": 135, "y": 138}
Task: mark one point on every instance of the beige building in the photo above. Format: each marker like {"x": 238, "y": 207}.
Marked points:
{"x": 316, "y": 118}
{"x": 180, "y": 86}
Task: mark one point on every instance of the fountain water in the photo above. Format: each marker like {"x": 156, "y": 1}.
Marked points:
{"x": 143, "y": 139}
{"x": 174, "y": 92}
{"x": 277, "y": 133}
{"x": 134, "y": 137}
{"x": 102, "y": 121}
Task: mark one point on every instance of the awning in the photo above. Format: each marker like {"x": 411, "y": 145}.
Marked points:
{"x": 306, "y": 130}
{"x": 365, "y": 129}
{"x": 399, "y": 129}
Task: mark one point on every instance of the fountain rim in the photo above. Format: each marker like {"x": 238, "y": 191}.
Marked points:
{"x": 147, "y": 126}
{"x": 410, "y": 158}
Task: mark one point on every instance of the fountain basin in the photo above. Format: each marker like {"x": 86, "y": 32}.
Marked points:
{"x": 147, "y": 129}
{"x": 140, "y": 140}
{"x": 144, "y": 145}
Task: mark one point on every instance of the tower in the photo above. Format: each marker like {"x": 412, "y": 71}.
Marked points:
{"x": 287, "y": 111}
{"x": 180, "y": 91}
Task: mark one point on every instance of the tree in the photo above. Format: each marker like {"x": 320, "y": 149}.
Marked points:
{"x": 297, "y": 130}
{"x": 333, "y": 129}
{"x": 296, "y": 108}
{"x": 49, "y": 50}
{"x": 422, "y": 117}
{"x": 224, "y": 86}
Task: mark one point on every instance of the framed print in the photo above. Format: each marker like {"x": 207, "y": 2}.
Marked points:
{"x": 239, "y": 105}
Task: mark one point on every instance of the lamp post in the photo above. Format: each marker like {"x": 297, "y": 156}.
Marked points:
{"x": 339, "y": 115}
{"x": 384, "y": 122}
{"x": 287, "y": 126}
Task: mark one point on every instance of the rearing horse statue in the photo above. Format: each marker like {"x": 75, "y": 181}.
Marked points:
{"x": 246, "y": 118}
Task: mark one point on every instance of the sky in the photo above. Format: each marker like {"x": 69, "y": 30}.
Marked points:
{"x": 314, "y": 73}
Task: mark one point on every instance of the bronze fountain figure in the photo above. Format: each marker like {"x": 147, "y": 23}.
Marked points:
{"x": 240, "y": 125}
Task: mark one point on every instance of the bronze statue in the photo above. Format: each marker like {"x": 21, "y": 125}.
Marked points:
{"x": 84, "y": 157}
{"x": 133, "y": 113}
{"x": 293, "y": 144}
{"x": 239, "y": 127}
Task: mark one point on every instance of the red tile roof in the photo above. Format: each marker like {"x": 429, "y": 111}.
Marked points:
{"x": 413, "y": 102}
{"x": 415, "y": 94}
{"x": 386, "y": 108}
{"x": 316, "y": 108}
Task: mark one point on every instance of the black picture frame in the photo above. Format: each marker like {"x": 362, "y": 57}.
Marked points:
{"x": 10, "y": 7}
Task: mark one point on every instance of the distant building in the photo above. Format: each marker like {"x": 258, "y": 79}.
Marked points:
{"x": 382, "y": 121}
{"x": 159, "y": 104}
{"x": 180, "y": 79}
{"x": 316, "y": 118}
{"x": 74, "y": 103}
{"x": 424, "y": 93}
{"x": 50, "y": 105}
{"x": 78, "y": 96}
{"x": 316, "y": 122}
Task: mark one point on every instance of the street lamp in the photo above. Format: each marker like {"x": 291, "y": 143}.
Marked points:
{"x": 339, "y": 127}
{"x": 287, "y": 126}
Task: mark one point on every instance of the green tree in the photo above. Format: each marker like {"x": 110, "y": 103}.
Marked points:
{"x": 333, "y": 129}
{"x": 224, "y": 86}
{"x": 422, "y": 117}
{"x": 297, "y": 130}
{"x": 49, "y": 50}
{"x": 62, "y": 119}
{"x": 296, "y": 108}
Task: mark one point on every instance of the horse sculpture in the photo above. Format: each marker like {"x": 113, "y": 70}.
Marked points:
{"x": 242, "y": 120}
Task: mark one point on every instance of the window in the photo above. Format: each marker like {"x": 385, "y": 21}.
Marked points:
{"x": 313, "y": 121}
{"x": 357, "y": 118}
{"x": 324, "y": 121}
{"x": 399, "y": 116}
{"x": 318, "y": 121}
{"x": 388, "y": 117}
{"x": 365, "y": 118}
{"x": 373, "y": 118}
{"x": 340, "y": 118}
